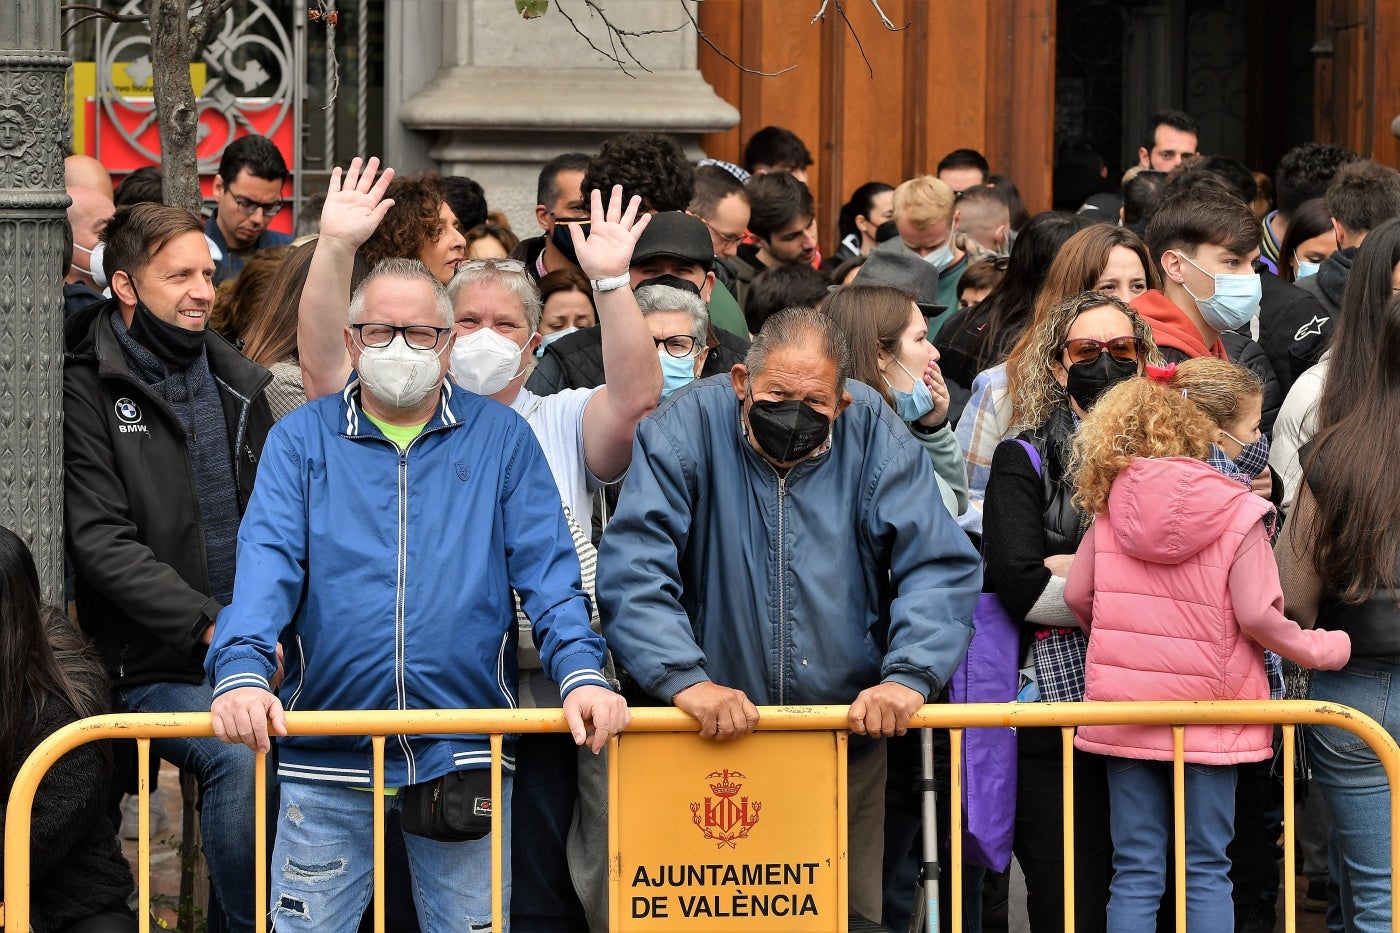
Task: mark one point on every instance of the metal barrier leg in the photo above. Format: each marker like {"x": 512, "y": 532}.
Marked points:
{"x": 143, "y": 824}
{"x": 1067, "y": 756}
{"x": 1179, "y": 820}
{"x": 1290, "y": 880}
{"x": 260, "y": 841}
{"x": 955, "y": 817}
{"x": 497, "y": 833}
{"x": 377, "y": 744}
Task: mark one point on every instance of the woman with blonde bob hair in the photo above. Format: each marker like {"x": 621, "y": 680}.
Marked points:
{"x": 1076, "y": 350}
{"x": 1176, "y": 585}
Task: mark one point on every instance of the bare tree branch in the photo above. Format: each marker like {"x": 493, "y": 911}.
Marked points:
{"x": 96, "y": 12}
{"x": 205, "y": 23}
{"x": 886, "y": 20}
{"x": 725, "y": 55}
{"x": 611, "y": 56}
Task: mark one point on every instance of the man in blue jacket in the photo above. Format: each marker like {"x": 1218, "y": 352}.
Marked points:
{"x": 386, "y": 532}
{"x": 780, "y": 540}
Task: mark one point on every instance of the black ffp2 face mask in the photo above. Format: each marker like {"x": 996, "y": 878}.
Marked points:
{"x": 788, "y": 431}
{"x": 886, "y": 231}
{"x": 1087, "y": 382}
{"x": 175, "y": 346}
{"x": 563, "y": 239}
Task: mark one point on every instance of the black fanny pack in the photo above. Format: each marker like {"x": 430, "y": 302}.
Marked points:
{"x": 454, "y": 808}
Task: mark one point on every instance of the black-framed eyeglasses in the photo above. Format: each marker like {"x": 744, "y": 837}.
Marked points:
{"x": 249, "y": 207}
{"x": 503, "y": 265}
{"x": 417, "y": 336}
{"x": 1087, "y": 349}
{"x": 681, "y": 346}
{"x": 727, "y": 239}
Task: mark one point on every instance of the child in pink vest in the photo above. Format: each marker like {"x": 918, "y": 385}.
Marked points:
{"x": 1177, "y": 587}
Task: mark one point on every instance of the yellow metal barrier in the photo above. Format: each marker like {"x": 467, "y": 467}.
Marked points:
{"x": 378, "y": 724}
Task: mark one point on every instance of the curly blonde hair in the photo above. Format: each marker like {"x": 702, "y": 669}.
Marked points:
{"x": 1139, "y": 417}
{"x": 1031, "y": 384}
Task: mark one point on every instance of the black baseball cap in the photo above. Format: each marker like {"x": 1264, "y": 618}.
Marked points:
{"x": 678, "y": 234}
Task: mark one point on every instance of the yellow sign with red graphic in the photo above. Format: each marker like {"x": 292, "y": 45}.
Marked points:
{"x": 744, "y": 835}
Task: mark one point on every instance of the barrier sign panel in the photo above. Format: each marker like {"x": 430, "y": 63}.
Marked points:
{"x": 744, "y": 835}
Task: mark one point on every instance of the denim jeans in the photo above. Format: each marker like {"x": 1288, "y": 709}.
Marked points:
{"x": 1140, "y": 815}
{"x": 225, "y": 775}
{"x": 1355, "y": 787}
{"x": 546, "y": 774}
{"x": 323, "y": 865}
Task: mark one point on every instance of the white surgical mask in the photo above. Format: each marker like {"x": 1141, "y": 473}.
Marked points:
{"x": 1236, "y": 298}
{"x": 399, "y": 375}
{"x": 94, "y": 270}
{"x": 547, "y": 339}
{"x": 485, "y": 362}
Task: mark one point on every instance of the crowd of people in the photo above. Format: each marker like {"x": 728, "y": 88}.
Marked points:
{"x": 672, "y": 451}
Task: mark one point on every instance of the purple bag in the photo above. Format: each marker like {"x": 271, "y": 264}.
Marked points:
{"x": 989, "y": 674}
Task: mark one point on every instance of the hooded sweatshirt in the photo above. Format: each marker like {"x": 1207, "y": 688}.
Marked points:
{"x": 1177, "y": 587}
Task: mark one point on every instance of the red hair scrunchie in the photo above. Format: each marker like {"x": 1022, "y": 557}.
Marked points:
{"x": 1162, "y": 374}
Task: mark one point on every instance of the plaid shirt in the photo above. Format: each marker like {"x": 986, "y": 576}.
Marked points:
{"x": 1058, "y": 655}
{"x": 985, "y": 423}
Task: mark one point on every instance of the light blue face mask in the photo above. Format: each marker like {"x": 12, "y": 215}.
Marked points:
{"x": 1235, "y": 301}
{"x": 677, "y": 372}
{"x": 1306, "y": 268}
{"x": 547, "y": 339}
{"x": 942, "y": 257}
{"x": 913, "y": 405}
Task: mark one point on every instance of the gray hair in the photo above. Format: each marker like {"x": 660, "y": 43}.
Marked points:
{"x": 513, "y": 280}
{"x": 410, "y": 270}
{"x": 669, "y": 298}
{"x": 801, "y": 327}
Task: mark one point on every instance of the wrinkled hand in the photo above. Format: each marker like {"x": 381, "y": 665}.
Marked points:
{"x": 884, "y": 710}
{"x": 242, "y": 715}
{"x": 1263, "y": 484}
{"x": 724, "y": 713}
{"x": 612, "y": 236}
{"x": 594, "y": 714}
{"x": 355, "y": 205}
{"x": 1060, "y": 564}
{"x": 933, "y": 378}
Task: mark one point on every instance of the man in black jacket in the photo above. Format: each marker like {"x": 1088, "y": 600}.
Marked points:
{"x": 163, "y": 426}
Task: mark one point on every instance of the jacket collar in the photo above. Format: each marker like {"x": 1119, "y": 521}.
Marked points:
{"x": 354, "y": 422}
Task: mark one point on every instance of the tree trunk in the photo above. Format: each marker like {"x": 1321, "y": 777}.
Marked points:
{"x": 176, "y": 113}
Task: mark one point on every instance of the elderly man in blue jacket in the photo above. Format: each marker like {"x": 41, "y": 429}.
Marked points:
{"x": 780, "y": 540}
{"x": 389, "y": 525}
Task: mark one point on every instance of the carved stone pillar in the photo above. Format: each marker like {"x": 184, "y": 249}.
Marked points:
{"x": 512, "y": 93}
{"x": 33, "y": 126}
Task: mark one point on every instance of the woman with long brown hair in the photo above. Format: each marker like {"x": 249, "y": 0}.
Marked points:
{"x": 891, "y": 353}
{"x": 1339, "y": 561}
{"x": 50, "y": 677}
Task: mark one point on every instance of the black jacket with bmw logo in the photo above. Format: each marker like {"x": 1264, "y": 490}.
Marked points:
{"x": 131, "y": 515}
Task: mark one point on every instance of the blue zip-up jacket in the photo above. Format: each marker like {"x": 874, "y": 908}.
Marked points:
{"x": 394, "y": 570}
{"x": 802, "y": 589}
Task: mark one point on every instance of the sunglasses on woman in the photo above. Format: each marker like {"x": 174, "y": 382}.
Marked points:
{"x": 1087, "y": 349}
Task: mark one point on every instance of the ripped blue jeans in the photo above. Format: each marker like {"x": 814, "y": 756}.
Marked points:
{"x": 323, "y": 866}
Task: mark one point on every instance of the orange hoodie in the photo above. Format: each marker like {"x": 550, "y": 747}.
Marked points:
{"x": 1172, "y": 329}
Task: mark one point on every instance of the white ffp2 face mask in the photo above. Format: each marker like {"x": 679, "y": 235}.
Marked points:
{"x": 399, "y": 375}
{"x": 485, "y": 362}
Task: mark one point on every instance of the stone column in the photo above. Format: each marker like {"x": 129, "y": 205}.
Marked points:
{"x": 513, "y": 93}
{"x": 33, "y": 126}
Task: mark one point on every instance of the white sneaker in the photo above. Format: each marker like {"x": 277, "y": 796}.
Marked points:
{"x": 131, "y": 815}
